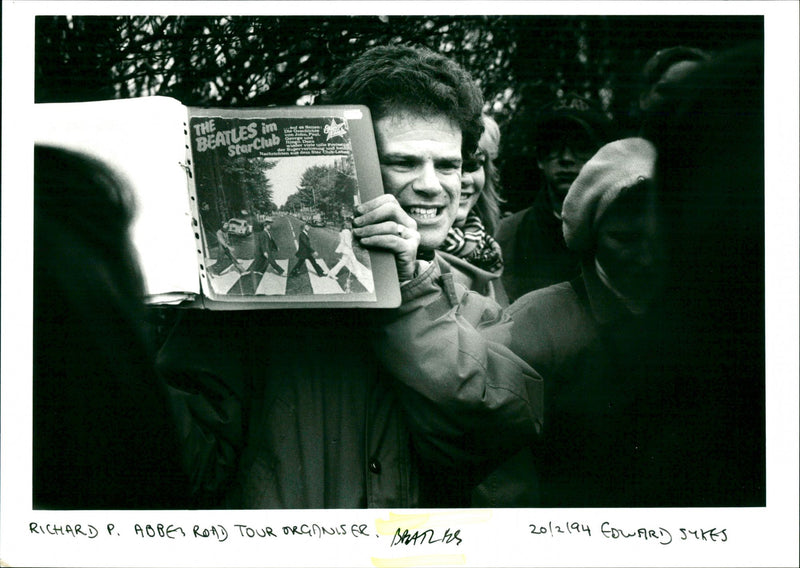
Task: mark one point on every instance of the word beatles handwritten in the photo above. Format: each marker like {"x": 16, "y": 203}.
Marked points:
{"x": 428, "y": 536}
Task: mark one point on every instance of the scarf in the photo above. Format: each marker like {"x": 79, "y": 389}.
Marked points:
{"x": 472, "y": 243}
{"x": 635, "y": 307}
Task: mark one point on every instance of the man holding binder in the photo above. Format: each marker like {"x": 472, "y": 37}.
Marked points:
{"x": 407, "y": 407}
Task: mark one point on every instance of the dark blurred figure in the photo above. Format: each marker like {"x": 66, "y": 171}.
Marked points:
{"x": 655, "y": 373}
{"x": 661, "y": 78}
{"x": 587, "y": 338}
{"x": 664, "y": 71}
{"x": 711, "y": 173}
{"x": 568, "y": 132}
{"x": 103, "y": 435}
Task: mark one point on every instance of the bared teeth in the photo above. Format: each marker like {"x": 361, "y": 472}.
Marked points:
{"x": 423, "y": 212}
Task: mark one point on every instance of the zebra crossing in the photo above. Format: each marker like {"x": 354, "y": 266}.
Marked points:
{"x": 233, "y": 282}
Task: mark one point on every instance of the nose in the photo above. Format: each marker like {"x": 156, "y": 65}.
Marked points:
{"x": 566, "y": 155}
{"x": 427, "y": 181}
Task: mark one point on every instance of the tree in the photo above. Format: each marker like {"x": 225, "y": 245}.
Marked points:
{"x": 263, "y": 60}
{"x": 241, "y": 60}
{"x": 520, "y": 62}
{"x": 311, "y": 183}
{"x": 73, "y": 58}
{"x": 599, "y": 58}
{"x": 327, "y": 189}
{"x": 294, "y": 203}
{"x": 247, "y": 182}
{"x": 233, "y": 187}
{"x": 259, "y": 187}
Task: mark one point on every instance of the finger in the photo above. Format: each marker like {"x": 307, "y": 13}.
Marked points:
{"x": 392, "y": 228}
{"x": 376, "y": 202}
{"x": 404, "y": 250}
{"x": 390, "y": 236}
{"x": 381, "y": 210}
{"x": 390, "y": 242}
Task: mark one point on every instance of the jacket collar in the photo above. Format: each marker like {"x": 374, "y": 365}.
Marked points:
{"x": 543, "y": 210}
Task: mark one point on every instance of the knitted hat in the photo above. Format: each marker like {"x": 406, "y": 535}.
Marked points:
{"x": 615, "y": 166}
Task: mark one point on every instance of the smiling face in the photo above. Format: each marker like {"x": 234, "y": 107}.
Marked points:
{"x": 473, "y": 180}
{"x": 421, "y": 166}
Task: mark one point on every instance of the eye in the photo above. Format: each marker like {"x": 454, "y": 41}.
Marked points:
{"x": 471, "y": 166}
{"x": 474, "y": 163}
{"x": 448, "y": 166}
{"x": 548, "y": 149}
{"x": 398, "y": 163}
{"x": 584, "y": 148}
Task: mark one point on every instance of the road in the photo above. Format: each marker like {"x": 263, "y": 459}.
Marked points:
{"x": 285, "y": 229}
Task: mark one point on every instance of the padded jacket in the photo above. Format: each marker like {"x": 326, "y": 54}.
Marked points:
{"x": 350, "y": 408}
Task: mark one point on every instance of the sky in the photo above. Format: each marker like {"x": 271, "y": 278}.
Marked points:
{"x": 285, "y": 176}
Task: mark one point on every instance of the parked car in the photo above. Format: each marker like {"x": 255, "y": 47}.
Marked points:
{"x": 238, "y": 227}
{"x": 316, "y": 220}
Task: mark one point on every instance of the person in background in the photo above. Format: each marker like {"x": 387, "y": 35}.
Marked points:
{"x": 568, "y": 132}
{"x": 655, "y": 373}
{"x": 226, "y": 255}
{"x": 661, "y": 77}
{"x": 353, "y": 408}
{"x": 586, "y": 337}
{"x": 103, "y": 433}
{"x": 266, "y": 247}
{"x": 712, "y": 335}
{"x": 348, "y": 259}
{"x": 305, "y": 252}
{"x": 477, "y": 263}
{"x": 470, "y": 248}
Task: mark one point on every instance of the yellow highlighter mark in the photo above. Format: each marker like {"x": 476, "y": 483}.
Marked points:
{"x": 425, "y": 560}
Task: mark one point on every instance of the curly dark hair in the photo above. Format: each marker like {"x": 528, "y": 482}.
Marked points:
{"x": 390, "y": 79}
